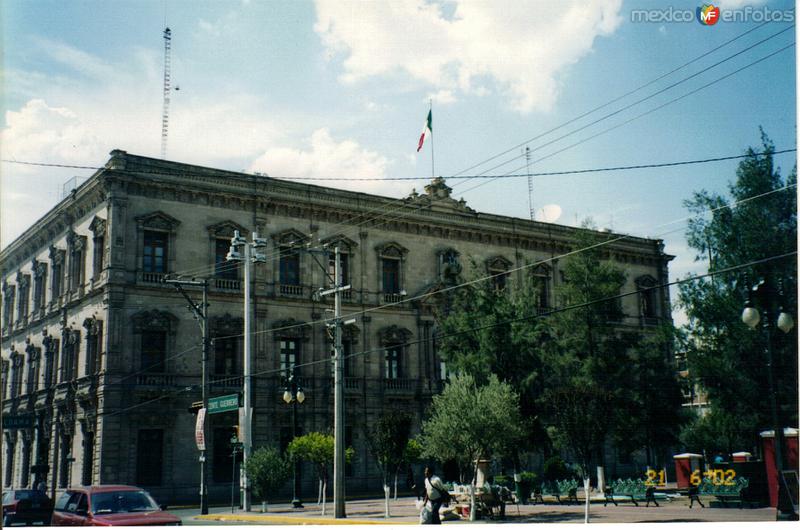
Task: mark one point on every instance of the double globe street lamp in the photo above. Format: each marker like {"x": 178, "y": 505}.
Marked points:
{"x": 294, "y": 395}
{"x": 768, "y": 297}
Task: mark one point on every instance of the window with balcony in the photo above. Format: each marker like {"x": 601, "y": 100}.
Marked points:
{"x": 344, "y": 263}
{"x": 39, "y": 280}
{"x": 154, "y": 257}
{"x": 226, "y": 356}
{"x": 156, "y": 235}
{"x": 9, "y": 295}
{"x": 224, "y": 269}
{"x": 289, "y": 352}
{"x": 289, "y": 267}
{"x": 154, "y": 351}
{"x": 69, "y": 355}
{"x": 541, "y": 281}
{"x": 497, "y": 267}
{"x": 392, "y": 362}
{"x": 98, "y": 228}
{"x": 648, "y": 300}
{"x": 24, "y": 283}
{"x": 94, "y": 345}
{"x": 149, "y": 457}
{"x": 77, "y": 260}
{"x": 391, "y": 258}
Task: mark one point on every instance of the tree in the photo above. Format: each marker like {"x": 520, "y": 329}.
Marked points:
{"x": 317, "y": 449}
{"x": 388, "y": 439}
{"x": 725, "y": 357}
{"x": 717, "y": 431}
{"x": 468, "y": 422}
{"x": 581, "y": 415}
{"x": 268, "y": 471}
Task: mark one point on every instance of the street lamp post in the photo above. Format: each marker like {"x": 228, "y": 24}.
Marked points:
{"x": 293, "y": 394}
{"x": 767, "y": 296}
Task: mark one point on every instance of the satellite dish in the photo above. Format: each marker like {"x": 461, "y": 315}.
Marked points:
{"x": 548, "y": 213}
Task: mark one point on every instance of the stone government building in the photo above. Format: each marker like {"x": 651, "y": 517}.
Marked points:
{"x": 106, "y": 356}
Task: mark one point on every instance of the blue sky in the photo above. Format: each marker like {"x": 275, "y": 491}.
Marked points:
{"x": 333, "y": 88}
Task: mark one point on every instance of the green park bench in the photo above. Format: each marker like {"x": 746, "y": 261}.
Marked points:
{"x": 725, "y": 492}
{"x": 567, "y": 489}
{"x": 636, "y": 489}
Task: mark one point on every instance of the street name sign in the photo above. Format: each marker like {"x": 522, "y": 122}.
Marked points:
{"x": 220, "y": 404}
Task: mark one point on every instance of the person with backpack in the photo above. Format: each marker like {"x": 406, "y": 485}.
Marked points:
{"x": 436, "y": 493}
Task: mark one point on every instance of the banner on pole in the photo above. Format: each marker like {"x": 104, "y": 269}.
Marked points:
{"x": 199, "y": 436}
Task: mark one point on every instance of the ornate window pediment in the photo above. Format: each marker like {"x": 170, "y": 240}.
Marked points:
{"x": 391, "y": 250}
{"x": 225, "y": 230}
{"x": 393, "y": 335}
{"x": 227, "y": 325}
{"x": 344, "y": 242}
{"x": 497, "y": 264}
{"x": 98, "y": 226}
{"x": 645, "y": 281}
{"x": 75, "y": 242}
{"x": 290, "y": 238}
{"x": 23, "y": 280}
{"x": 57, "y": 255}
{"x": 153, "y": 320}
{"x": 158, "y": 220}
{"x": 290, "y": 328}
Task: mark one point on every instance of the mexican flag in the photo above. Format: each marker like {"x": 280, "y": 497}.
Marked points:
{"x": 427, "y": 129}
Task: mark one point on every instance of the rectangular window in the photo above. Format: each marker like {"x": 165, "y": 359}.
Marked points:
{"x": 76, "y": 270}
{"x": 99, "y": 255}
{"x": 224, "y": 269}
{"x": 222, "y": 465}
{"x": 55, "y": 285}
{"x": 343, "y": 263}
{"x": 24, "y": 296}
{"x": 69, "y": 364}
{"x": 149, "y": 457}
{"x": 226, "y": 355}
{"x": 155, "y": 251}
{"x": 8, "y": 307}
{"x": 391, "y": 276}
{"x": 154, "y": 348}
{"x": 289, "y": 267}
{"x": 499, "y": 278}
{"x": 38, "y": 292}
{"x": 94, "y": 345}
{"x": 289, "y": 353}
{"x": 88, "y": 458}
{"x": 392, "y": 362}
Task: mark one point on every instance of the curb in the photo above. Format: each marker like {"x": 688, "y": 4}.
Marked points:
{"x": 291, "y": 519}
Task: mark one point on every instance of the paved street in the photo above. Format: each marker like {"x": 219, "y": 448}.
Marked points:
{"x": 404, "y": 512}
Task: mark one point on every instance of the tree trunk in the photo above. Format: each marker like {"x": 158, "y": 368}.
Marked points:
{"x": 386, "y": 493}
{"x": 395, "y": 485}
{"x": 472, "y": 515}
{"x": 324, "y": 495}
{"x": 319, "y": 493}
{"x": 586, "y": 483}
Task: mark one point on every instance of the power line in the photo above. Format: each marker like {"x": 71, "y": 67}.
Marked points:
{"x": 524, "y": 318}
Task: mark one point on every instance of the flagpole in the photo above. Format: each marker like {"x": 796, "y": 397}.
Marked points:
{"x": 433, "y": 171}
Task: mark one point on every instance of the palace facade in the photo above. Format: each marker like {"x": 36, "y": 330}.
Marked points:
{"x": 106, "y": 357}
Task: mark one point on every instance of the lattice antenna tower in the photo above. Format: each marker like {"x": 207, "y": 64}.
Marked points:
{"x": 530, "y": 182}
{"x": 165, "y": 108}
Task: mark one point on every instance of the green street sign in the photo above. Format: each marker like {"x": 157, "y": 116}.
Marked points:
{"x": 18, "y": 422}
{"x": 220, "y": 404}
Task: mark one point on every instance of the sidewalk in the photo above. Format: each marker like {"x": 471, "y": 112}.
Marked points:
{"x": 403, "y": 510}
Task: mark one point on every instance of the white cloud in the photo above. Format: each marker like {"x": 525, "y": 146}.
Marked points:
{"x": 327, "y": 157}
{"x": 510, "y": 43}
{"x": 443, "y": 97}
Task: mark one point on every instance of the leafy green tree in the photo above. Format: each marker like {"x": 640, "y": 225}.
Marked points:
{"x": 317, "y": 449}
{"x": 268, "y": 470}
{"x": 717, "y": 431}
{"x": 468, "y": 422}
{"x": 388, "y": 439}
{"x": 724, "y": 356}
{"x": 582, "y": 415}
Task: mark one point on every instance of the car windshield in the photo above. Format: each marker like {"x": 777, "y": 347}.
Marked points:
{"x": 28, "y": 494}
{"x": 122, "y": 501}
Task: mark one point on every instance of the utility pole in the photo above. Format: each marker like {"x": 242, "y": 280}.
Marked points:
{"x": 338, "y": 401}
{"x": 201, "y": 315}
{"x": 251, "y": 255}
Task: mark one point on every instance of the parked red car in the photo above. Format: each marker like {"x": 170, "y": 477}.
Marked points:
{"x": 26, "y": 507}
{"x": 110, "y": 506}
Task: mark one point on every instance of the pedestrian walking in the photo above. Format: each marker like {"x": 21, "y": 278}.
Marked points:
{"x": 435, "y": 493}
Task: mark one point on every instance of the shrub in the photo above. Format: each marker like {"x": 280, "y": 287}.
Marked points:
{"x": 556, "y": 469}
